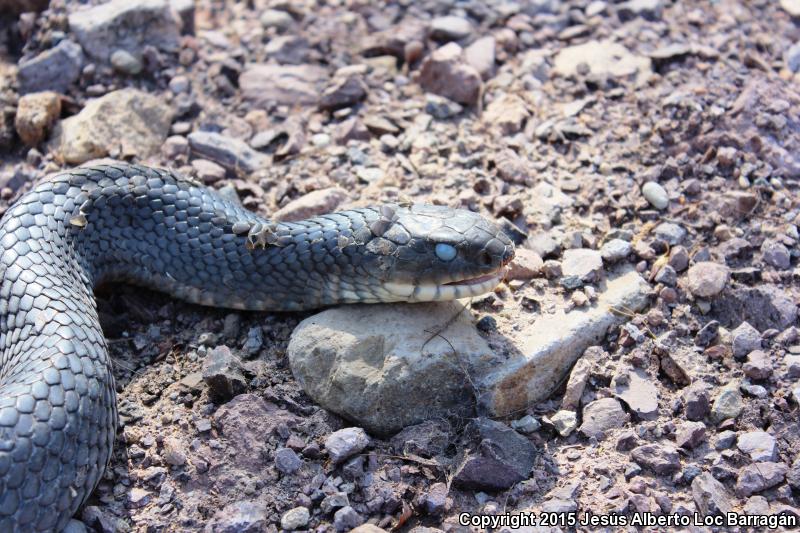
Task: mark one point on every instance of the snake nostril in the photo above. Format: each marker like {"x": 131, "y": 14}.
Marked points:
{"x": 485, "y": 259}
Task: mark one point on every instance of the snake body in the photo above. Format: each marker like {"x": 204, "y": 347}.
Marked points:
{"x": 151, "y": 227}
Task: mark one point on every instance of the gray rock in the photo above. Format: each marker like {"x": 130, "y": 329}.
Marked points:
{"x": 311, "y": 204}
{"x": 450, "y": 28}
{"x": 696, "y": 397}
{"x": 728, "y": 403}
{"x": 745, "y": 339}
{"x": 564, "y": 422}
{"x": 207, "y": 171}
{"x": 647, "y": 9}
{"x": 707, "y": 334}
{"x": 497, "y": 458}
{"x": 239, "y": 517}
{"x": 287, "y": 461}
{"x": 585, "y": 264}
{"x": 673, "y": 234}
{"x": 710, "y": 496}
{"x": 615, "y": 250}
{"x": 124, "y": 123}
{"x": 758, "y": 366}
{"x": 725, "y": 440}
{"x": 444, "y": 72}
{"x": 265, "y": 85}
{"x": 125, "y": 25}
{"x": 481, "y": 55}
{"x": 337, "y": 500}
{"x": 602, "y": 58}
{"x": 655, "y": 194}
{"x": 288, "y": 50}
{"x": 125, "y": 62}
{"x": 223, "y": 373}
{"x": 759, "y": 477}
{"x": 601, "y": 415}
{"x": 441, "y": 107}
{"x": 275, "y": 18}
{"x": 764, "y": 307}
{"x": 578, "y": 377}
{"x": 508, "y": 114}
{"x": 690, "y": 434}
{"x": 679, "y": 258}
{"x": 776, "y": 254}
{"x": 345, "y": 443}
{"x": 427, "y": 439}
{"x": 667, "y": 276}
{"x": 526, "y": 424}
{"x": 228, "y": 152}
{"x": 792, "y": 57}
{"x": 296, "y": 518}
{"x": 707, "y": 279}
{"x": 55, "y": 69}
{"x": 759, "y": 445}
{"x": 435, "y": 499}
{"x": 255, "y": 339}
{"x": 346, "y": 519}
{"x": 635, "y": 388}
{"x": 661, "y": 459}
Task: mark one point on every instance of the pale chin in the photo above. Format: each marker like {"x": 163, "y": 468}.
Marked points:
{"x": 451, "y": 291}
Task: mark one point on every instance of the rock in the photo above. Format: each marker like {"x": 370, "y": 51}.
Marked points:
{"x": 759, "y": 477}
{"x": 223, "y": 373}
{"x": 173, "y": 452}
{"x": 125, "y": 25}
{"x": 707, "y": 334}
{"x": 791, "y": 6}
{"x": 507, "y": 113}
{"x": 275, "y": 18}
{"x": 647, "y": 9}
{"x": 435, "y": 500}
{"x": 776, "y": 254}
{"x": 792, "y": 57}
{"x": 666, "y": 276}
{"x": 671, "y": 233}
{"x": 679, "y": 258}
{"x": 55, "y": 69}
{"x": 239, "y": 517}
{"x": 696, "y": 399}
{"x": 346, "y": 519}
{"x": 564, "y": 422}
{"x": 481, "y": 56}
{"x": 232, "y": 154}
{"x": 450, "y": 28}
{"x": 526, "y": 265}
{"x": 207, "y": 171}
{"x": 312, "y": 204}
{"x": 615, "y": 250}
{"x": 745, "y": 339}
{"x": 661, "y": 459}
{"x": 138, "y": 498}
{"x": 578, "y": 378}
{"x": 758, "y": 366}
{"x": 582, "y": 263}
{"x": 655, "y": 194}
{"x": 445, "y": 73}
{"x": 527, "y": 424}
{"x": 601, "y": 415}
{"x": 287, "y": 461}
{"x": 427, "y": 439}
{"x": 501, "y": 458}
{"x": 264, "y": 85}
{"x": 690, "y": 434}
{"x": 728, "y": 404}
{"x": 36, "y": 112}
{"x": 175, "y": 147}
{"x": 764, "y": 307}
{"x": 384, "y": 352}
{"x": 122, "y": 124}
{"x": 759, "y": 445}
{"x": 550, "y": 346}
{"x": 337, "y": 500}
{"x": 604, "y": 58}
{"x": 710, "y": 496}
{"x": 345, "y": 443}
{"x": 344, "y": 92}
{"x": 638, "y": 392}
{"x": 707, "y": 279}
{"x": 125, "y": 62}
{"x": 296, "y": 518}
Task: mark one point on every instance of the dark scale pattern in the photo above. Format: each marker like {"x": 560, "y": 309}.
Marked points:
{"x": 147, "y": 226}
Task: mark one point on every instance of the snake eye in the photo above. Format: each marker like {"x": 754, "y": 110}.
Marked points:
{"x": 445, "y": 252}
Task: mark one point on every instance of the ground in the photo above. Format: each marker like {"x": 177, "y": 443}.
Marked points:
{"x": 651, "y": 135}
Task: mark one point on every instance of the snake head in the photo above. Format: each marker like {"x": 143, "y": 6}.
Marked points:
{"x": 430, "y": 253}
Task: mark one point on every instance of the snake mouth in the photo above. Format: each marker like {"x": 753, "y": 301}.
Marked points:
{"x": 465, "y": 288}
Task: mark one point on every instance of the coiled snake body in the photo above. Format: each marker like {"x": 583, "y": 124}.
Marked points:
{"x": 150, "y": 227}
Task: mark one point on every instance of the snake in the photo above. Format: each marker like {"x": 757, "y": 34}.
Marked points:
{"x": 121, "y": 222}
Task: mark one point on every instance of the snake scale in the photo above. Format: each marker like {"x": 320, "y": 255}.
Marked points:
{"x": 150, "y": 227}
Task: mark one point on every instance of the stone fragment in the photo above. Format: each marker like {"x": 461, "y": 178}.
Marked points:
{"x": 728, "y": 403}
{"x": 124, "y": 123}
{"x": 223, "y": 373}
{"x": 55, "y": 69}
{"x": 207, "y": 171}
{"x": 125, "y": 25}
{"x": 764, "y": 307}
{"x": 344, "y": 92}
{"x": 346, "y": 518}
{"x": 745, "y": 339}
{"x": 498, "y": 458}
{"x": 526, "y": 264}
{"x": 230, "y": 153}
{"x": 759, "y": 445}
{"x": 345, "y": 443}
{"x": 264, "y": 85}
{"x": 601, "y": 58}
{"x": 427, "y": 439}
{"x": 311, "y": 204}
{"x": 615, "y": 250}
{"x": 602, "y": 415}
{"x": 138, "y": 498}
{"x": 578, "y": 378}
{"x": 481, "y": 56}
{"x": 450, "y": 28}
{"x": 647, "y": 9}
{"x": 583, "y": 263}
{"x": 444, "y": 72}
{"x": 696, "y": 399}
{"x": 36, "y": 112}
{"x": 758, "y": 366}
{"x": 287, "y": 461}
{"x": 655, "y": 194}
{"x": 527, "y": 424}
{"x": 173, "y": 452}
{"x": 671, "y": 233}
{"x": 710, "y": 496}
{"x": 776, "y": 254}
{"x": 296, "y": 518}
{"x": 239, "y": 517}
{"x": 707, "y": 279}
{"x": 759, "y": 477}
{"x": 637, "y": 390}
{"x": 435, "y": 500}
{"x": 507, "y": 113}
{"x": 125, "y": 62}
{"x": 288, "y": 50}
{"x": 661, "y": 459}
{"x": 690, "y": 434}
{"x": 275, "y": 18}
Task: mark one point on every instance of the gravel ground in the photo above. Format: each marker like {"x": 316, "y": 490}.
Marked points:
{"x": 662, "y": 136}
